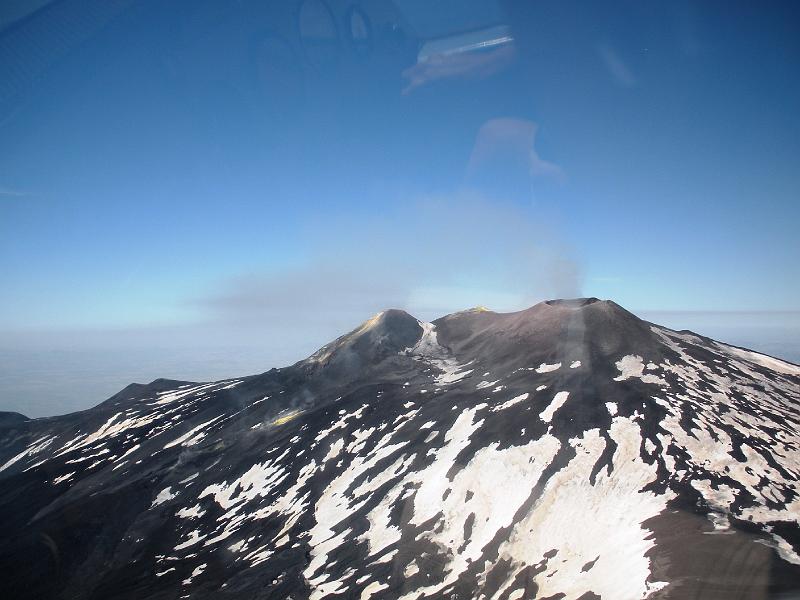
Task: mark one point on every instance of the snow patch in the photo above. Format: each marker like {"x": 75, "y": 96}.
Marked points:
{"x": 632, "y": 366}
{"x": 164, "y": 495}
{"x": 557, "y": 402}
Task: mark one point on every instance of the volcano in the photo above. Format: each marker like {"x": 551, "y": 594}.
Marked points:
{"x": 567, "y": 451}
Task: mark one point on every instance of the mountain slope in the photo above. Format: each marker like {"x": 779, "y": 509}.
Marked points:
{"x": 570, "y": 450}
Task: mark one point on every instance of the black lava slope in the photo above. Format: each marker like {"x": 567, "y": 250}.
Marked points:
{"x": 567, "y": 451}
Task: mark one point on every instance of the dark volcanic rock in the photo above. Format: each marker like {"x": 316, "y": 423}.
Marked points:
{"x": 8, "y": 419}
{"x": 570, "y": 450}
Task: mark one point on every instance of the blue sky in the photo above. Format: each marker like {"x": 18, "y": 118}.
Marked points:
{"x": 645, "y": 152}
